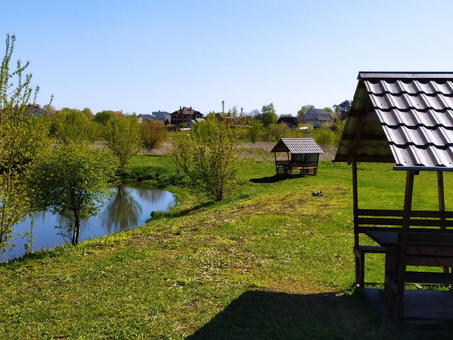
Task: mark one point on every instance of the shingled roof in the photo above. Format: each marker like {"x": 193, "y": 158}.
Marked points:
{"x": 297, "y": 146}
{"x": 405, "y": 118}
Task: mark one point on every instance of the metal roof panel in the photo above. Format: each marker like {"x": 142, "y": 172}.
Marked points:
{"x": 297, "y": 146}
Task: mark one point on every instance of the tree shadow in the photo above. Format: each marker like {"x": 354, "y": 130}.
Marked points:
{"x": 268, "y": 315}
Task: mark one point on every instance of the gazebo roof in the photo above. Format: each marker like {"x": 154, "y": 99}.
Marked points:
{"x": 405, "y": 118}
{"x": 297, "y": 146}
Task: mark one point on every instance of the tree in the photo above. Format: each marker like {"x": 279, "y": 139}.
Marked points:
{"x": 254, "y": 132}
{"x": 104, "y": 116}
{"x": 22, "y": 137}
{"x": 88, "y": 113}
{"x": 73, "y": 180}
{"x": 208, "y": 158}
{"x": 72, "y": 125}
{"x": 122, "y": 136}
{"x": 255, "y": 113}
{"x": 303, "y": 110}
{"x": 269, "y": 115}
{"x": 328, "y": 109}
{"x": 153, "y": 134}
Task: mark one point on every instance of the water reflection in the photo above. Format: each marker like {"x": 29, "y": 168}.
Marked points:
{"x": 122, "y": 211}
{"x": 130, "y": 207}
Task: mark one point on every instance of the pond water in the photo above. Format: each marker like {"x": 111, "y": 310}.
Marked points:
{"x": 130, "y": 207}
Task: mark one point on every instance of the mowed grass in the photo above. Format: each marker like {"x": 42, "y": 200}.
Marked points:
{"x": 270, "y": 262}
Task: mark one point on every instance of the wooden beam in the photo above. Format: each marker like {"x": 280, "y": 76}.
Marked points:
{"x": 351, "y": 136}
{"x": 441, "y": 194}
{"x": 355, "y": 200}
{"x": 367, "y": 159}
{"x": 356, "y": 142}
{"x": 398, "y": 308}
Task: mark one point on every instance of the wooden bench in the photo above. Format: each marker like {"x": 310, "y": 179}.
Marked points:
{"x": 430, "y": 225}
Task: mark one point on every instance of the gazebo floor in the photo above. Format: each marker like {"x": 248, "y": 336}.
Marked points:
{"x": 419, "y": 305}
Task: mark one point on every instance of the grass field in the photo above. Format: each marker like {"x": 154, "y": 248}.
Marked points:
{"x": 270, "y": 262}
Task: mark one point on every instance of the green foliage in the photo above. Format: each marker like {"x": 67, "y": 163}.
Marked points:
{"x": 73, "y": 180}
{"x": 274, "y": 132}
{"x": 269, "y": 115}
{"x": 254, "y": 133}
{"x": 208, "y": 158}
{"x": 104, "y": 117}
{"x": 122, "y": 135}
{"x": 328, "y": 109}
{"x": 87, "y": 112}
{"x": 324, "y": 136}
{"x": 338, "y": 127}
{"x": 22, "y": 137}
{"x": 72, "y": 125}
{"x": 152, "y": 134}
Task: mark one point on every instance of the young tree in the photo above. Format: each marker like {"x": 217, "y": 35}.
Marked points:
{"x": 269, "y": 115}
{"x": 208, "y": 158}
{"x": 153, "y": 134}
{"x": 122, "y": 136}
{"x": 254, "y": 133}
{"x": 72, "y": 125}
{"x": 73, "y": 180}
{"x": 22, "y": 137}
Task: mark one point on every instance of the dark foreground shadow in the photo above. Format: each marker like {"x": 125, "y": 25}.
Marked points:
{"x": 273, "y": 179}
{"x": 266, "y": 315}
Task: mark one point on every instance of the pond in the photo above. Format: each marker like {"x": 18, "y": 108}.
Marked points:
{"x": 130, "y": 206}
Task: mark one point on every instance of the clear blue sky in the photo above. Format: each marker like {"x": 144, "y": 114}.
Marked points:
{"x": 143, "y": 56}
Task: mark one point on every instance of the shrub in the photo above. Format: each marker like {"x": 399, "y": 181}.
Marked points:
{"x": 152, "y": 134}
{"x": 208, "y": 158}
{"x": 274, "y": 132}
{"x": 254, "y": 133}
{"x": 324, "y": 137}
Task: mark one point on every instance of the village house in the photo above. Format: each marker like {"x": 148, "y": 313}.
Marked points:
{"x": 292, "y": 122}
{"x": 185, "y": 115}
{"x": 316, "y": 117}
{"x": 161, "y": 115}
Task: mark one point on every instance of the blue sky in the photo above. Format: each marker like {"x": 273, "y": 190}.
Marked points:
{"x": 143, "y": 56}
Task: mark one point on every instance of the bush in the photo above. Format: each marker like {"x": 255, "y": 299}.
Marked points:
{"x": 324, "y": 137}
{"x": 274, "y": 132}
{"x": 152, "y": 134}
{"x": 254, "y": 133}
{"x": 208, "y": 158}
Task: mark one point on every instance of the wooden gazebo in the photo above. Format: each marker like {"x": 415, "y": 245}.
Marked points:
{"x": 302, "y": 154}
{"x": 406, "y": 119}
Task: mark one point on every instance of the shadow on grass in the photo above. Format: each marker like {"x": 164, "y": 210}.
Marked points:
{"x": 267, "y": 315}
{"x": 273, "y": 179}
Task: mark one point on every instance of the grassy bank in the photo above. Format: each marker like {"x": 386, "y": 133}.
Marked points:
{"x": 270, "y": 262}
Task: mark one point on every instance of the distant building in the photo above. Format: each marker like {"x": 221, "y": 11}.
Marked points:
{"x": 143, "y": 117}
{"x": 185, "y": 115}
{"x": 35, "y": 110}
{"x": 316, "y": 117}
{"x": 162, "y": 115}
{"x": 292, "y": 122}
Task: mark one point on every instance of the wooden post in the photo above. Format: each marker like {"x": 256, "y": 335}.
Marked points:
{"x": 397, "y": 311}
{"x": 359, "y": 262}
{"x": 441, "y": 193}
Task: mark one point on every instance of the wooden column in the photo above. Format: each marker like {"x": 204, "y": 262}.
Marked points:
{"x": 401, "y": 274}
{"x": 359, "y": 261}
{"x": 441, "y": 193}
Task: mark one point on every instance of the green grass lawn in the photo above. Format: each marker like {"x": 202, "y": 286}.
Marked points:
{"x": 270, "y": 262}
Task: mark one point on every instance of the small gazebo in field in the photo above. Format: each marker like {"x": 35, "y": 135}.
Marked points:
{"x": 405, "y": 119}
{"x": 301, "y": 154}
